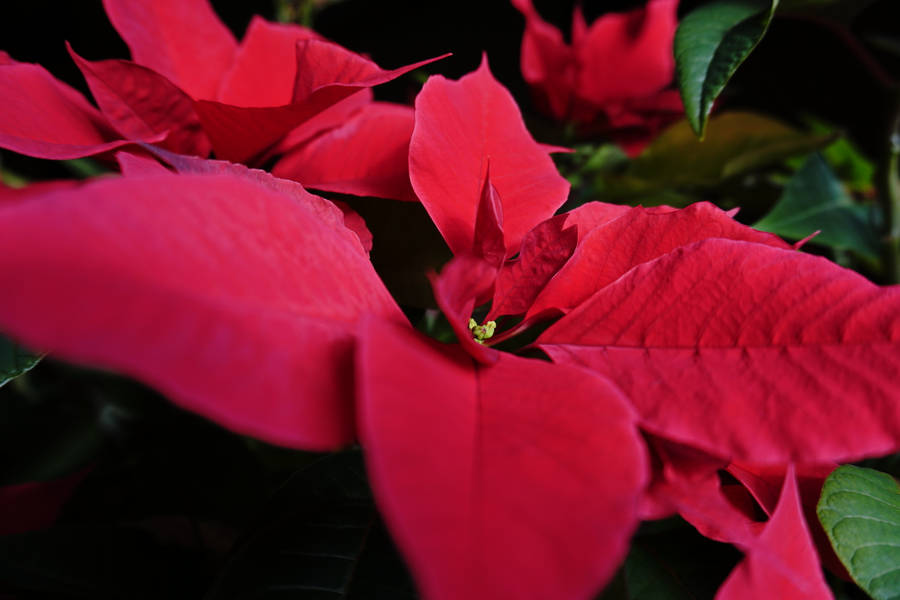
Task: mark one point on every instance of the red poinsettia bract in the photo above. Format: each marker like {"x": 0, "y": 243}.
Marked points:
{"x": 615, "y": 74}
{"x": 246, "y": 299}
{"x": 730, "y": 344}
{"x": 235, "y": 293}
{"x": 193, "y": 89}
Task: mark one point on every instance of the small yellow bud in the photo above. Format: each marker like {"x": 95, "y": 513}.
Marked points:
{"x": 482, "y": 332}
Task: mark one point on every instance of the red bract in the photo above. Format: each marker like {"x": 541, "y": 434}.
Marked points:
{"x": 365, "y": 156}
{"x": 746, "y": 350}
{"x": 514, "y": 480}
{"x": 463, "y": 130}
{"x": 617, "y": 69}
{"x": 43, "y": 117}
{"x": 729, "y": 343}
{"x": 190, "y": 83}
{"x": 783, "y": 561}
{"x": 233, "y": 292}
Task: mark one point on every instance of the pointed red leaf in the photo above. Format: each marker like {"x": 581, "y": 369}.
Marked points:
{"x": 43, "y": 117}
{"x": 638, "y": 236}
{"x": 519, "y": 480}
{"x": 488, "y": 242}
{"x": 365, "y": 156}
{"x": 783, "y": 563}
{"x": 460, "y": 125}
{"x": 182, "y": 40}
{"x": 237, "y": 301}
{"x": 140, "y": 103}
{"x": 764, "y": 482}
{"x": 326, "y": 74}
{"x": 544, "y": 250}
{"x": 265, "y": 65}
{"x": 628, "y": 55}
{"x": 747, "y": 351}
{"x": 322, "y": 64}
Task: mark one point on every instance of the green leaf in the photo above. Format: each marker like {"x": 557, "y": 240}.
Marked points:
{"x": 736, "y": 143}
{"x": 84, "y": 168}
{"x": 14, "y": 360}
{"x": 710, "y": 44}
{"x": 850, "y": 165}
{"x": 813, "y": 200}
{"x": 860, "y": 511}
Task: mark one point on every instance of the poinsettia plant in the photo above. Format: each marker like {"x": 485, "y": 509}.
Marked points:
{"x": 411, "y": 346}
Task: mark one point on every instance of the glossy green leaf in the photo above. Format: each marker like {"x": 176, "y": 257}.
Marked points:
{"x": 735, "y": 143}
{"x": 710, "y": 44}
{"x": 814, "y": 200}
{"x": 14, "y": 360}
{"x": 860, "y": 511}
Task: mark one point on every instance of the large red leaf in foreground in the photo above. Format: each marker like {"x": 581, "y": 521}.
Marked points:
{"x": 518, "y": 480}
{"x": 219, "y": 291}
{"x": 747, "y": 351}
{"x": 461, "y": 126}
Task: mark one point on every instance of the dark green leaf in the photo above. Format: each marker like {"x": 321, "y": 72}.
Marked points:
{"x": 736, "y": 143}
{"x": 815, "y": 200}
{"x": 860, "y": 511}
{"x": 710, "y": 43}
{"x": 14, "y": 360}
{"x": 84, "y": 168}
